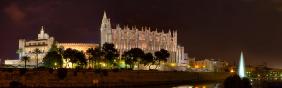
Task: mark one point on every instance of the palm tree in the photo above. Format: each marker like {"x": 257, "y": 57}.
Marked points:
{"x": 36, "y": 51}
{"x": 25, "y": 59}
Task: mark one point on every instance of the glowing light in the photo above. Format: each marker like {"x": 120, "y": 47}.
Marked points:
{"x": 196, "y": 66}
{"x": 95, "y": 81}
{"x": 188, "y": 66}
{"x": 232, "y": 71}
{"x": 103, "y": 64}
{"x": 204, "y": 66}
{"x": 241, "y": 70}
{"x": 122, "y": 63}
{"x": 173, "y": 64}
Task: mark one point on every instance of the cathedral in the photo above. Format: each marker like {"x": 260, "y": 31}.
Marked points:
{"x": 126, "y": 38}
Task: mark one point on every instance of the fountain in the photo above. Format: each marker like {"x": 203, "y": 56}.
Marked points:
{"x": 241, "y": 70}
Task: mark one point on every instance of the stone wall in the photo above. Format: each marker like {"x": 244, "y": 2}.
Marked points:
{"x": 90, "y": 78}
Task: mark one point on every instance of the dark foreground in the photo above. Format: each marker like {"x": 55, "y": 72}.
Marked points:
{"x": 103, "y": 78}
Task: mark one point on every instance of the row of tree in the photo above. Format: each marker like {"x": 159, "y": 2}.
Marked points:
{"x": 106, "y": 56}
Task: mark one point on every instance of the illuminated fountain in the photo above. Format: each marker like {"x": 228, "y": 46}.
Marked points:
{"x": 241, "y": 70}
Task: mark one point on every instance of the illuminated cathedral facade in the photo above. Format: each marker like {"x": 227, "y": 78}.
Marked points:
{"x": 125, "y": 38}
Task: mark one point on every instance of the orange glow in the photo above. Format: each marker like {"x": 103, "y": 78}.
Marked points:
{"x": 196, "y": 66}
{"x": 232, "y": 71}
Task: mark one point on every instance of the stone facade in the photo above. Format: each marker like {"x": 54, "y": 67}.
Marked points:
{"x": 126, "y": 38}
{"x": 43, "y": 43}
{"x": 27, "y": 47}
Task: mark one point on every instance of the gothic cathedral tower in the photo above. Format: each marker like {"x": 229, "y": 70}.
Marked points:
{"x": 106, "y": 30}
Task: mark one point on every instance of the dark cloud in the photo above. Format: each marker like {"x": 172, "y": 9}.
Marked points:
{"x": 14, "y": 13}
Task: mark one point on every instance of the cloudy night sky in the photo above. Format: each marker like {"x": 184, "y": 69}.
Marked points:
{"x": 207, "y": 28}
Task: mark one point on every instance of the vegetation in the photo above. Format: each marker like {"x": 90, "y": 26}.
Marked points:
{"x": 25, "y": 59}
{"x": 134, "y": 56}
{"x": 53, "y": 58}
{"x": 110, "y": 54}
{"x": 106, "y": 57}
{"x": 94, "y": 55}
{"x": 161, "y": 56}
{"x": 36, "y": 51}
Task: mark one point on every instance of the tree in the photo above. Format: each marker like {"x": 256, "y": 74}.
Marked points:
{"x": 128, "y": 59}
{"x": 53, "y": 59}
{"x": 80, "y": 58}
{"x": 36, "y": 51}
{"x": 75, "y": 56}
{"x": 148, "y": 59}
{"x": 91, "y": 58}
{"x": 95, "y": 55}
{"x": 162, "y": 55}
{"x": 134, "y": 56}
{"x": 110, "y": 53}
{"x": 25, "y": 59}
{"x": 68, "y": 54}
{"x": 138, "y": 55}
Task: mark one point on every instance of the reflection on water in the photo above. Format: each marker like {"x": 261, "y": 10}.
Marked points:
{"x": 209, "y": 85}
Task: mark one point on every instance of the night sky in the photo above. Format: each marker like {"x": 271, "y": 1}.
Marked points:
{"x": 207, "y": 28}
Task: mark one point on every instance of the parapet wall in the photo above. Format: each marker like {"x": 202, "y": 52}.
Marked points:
{"x": 105, "y": 78}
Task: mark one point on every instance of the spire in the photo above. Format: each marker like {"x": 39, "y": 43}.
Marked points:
{"x": 42, "y": 29}
{"x": 169, "y": 32}
{"x": 117, "y": 26}
{"x": 105, "y": 15}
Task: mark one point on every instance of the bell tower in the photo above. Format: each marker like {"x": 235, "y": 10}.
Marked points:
{"x": 106, "y": 30}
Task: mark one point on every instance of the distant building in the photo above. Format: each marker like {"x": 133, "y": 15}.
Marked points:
{"x": 208, "y": 65}
{"x": 43, "y": 43}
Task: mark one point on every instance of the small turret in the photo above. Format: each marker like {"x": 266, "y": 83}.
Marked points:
{"x": 42, "y": 34}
